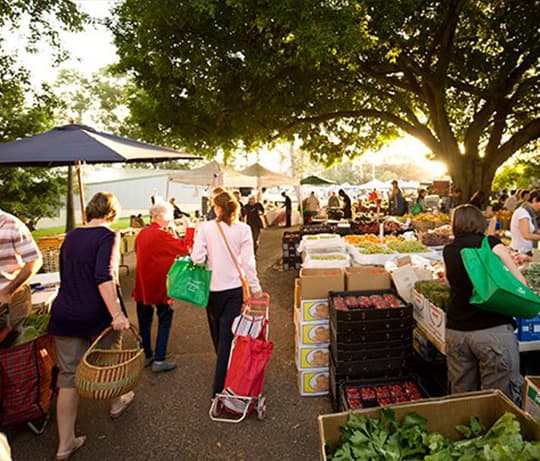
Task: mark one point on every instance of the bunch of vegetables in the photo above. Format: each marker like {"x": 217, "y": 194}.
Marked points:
{"x": 34, "y": 326}
{"x": 435, "y": 291}
{"x": 531, "y": 272}
{"x": 367, "y": 439}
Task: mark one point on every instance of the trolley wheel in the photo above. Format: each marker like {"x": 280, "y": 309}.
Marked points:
{"x": 217, "y": 406}
{"x": 261, "y": 408}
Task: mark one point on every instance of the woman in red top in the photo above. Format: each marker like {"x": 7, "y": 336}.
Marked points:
{"x": 156, "y": 250}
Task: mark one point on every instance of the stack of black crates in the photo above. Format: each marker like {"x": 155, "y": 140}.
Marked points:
{"x": 367, "y": 344}
{"x": 291, "y": 259}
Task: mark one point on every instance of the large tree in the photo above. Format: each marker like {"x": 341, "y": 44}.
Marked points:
{"x": 344, "y": 75}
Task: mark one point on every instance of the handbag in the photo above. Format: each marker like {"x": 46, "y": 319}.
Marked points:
{"x": 245, "y": 286}
{"x": 495, "y": 288}
{"x": 189, "y": 282}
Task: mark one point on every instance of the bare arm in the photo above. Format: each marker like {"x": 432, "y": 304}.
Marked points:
{"x": 29, "y": 269}
{"x": 502, "y": 252}
{"x": 110, "y": 297}
{"x": 525, "y": 230}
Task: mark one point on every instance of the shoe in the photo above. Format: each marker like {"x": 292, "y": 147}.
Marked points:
{"x": 161, "y": 366}
{"x": 125, "y": 401}
{"x": 66, "y": 455}
{"x": 148, "y": 361}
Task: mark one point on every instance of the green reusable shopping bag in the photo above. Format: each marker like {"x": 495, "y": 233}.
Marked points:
{"x": 495, "y": 289}
{"x": 189, "y": 282}
{"x": 417, "y": 209}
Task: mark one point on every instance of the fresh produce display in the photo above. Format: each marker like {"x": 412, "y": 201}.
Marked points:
{"x": 329, "y": 257}
{"x": 373, "y": 396}
{"x": 320, "y": 237}
{"x": 435, "y": 291}
{"x": 384, "y": 301}
{"x": 434, "y": 239}
{"x": 440, "y": 218}
{"x": 364, "y": 438}
{"x": 408, "y": 247}
{"x": 372, "y": 248}
{"x": 371, "y": 238}
{"x": 531, "y": 272}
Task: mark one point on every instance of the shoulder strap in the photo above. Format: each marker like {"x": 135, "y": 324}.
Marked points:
{"x": 242, "y": 278}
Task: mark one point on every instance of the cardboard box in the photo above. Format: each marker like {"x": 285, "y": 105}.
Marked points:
{"x": 312, "y": 333}
{"x": 436, "y": 321}
{"x": 310, "y": 310}
{"x": 314, "y": 382}
{"x": 457, "y": 409}
{"x": 531, "y": 396}
{"x": 367, "y": 278}
{"x": 316, "y": 283}
{"x": 310, "y": 357}
{"x": 404, "y": 279}
{"x": 419, "y": 304}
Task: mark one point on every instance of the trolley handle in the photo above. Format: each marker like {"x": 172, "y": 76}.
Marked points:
{"x": 264, "y": 300}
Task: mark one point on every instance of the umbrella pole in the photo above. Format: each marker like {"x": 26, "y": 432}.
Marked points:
{"x": 70, "y": 211}
{"x": 81, "y": 191}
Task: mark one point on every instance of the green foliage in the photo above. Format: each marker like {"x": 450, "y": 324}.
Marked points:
{"x": 32, "y": 193}
{"x": 518, "y": 172}
{"x": 344, "y": 76}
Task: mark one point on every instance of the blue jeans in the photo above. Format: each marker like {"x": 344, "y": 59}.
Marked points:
{"x": 145, "y": 314}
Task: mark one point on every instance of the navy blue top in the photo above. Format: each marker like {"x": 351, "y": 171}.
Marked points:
{"x": 88, "y": 257}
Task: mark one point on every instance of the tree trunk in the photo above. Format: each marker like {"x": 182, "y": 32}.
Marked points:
{"x": 70, "y": 216}
{"x": 471, "y": 175}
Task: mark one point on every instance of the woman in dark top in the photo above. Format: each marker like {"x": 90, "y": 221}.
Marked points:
{"x": 252, "y": 213}
{"x": 481, "y": 348}
{"x": 86, "y": 304}
{"x": 347, "y": 207}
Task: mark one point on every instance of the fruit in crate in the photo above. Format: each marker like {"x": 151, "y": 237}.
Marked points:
{"x": 364, "y": 302}
{"x": 339, "y": 303}
{"x": 433, "y": 239}
{"x": 379, "y": 302}
{"x": 408, "y": 247}
{"x": 368, "y": 394}
{"x": 358, "y": 239}
{"x": 369, "y": 248}
{"x": 385, "y": 301}
{"x": 393, "y": 238}
{"x": 392, "y": 300}
{"x": 439, "y": 218}
{"x": 435, "y": 291}
{"x": 392, "y": 226}
{"x": 328, "y": 257}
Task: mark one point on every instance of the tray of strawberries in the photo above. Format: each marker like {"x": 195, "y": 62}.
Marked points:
{"x": 367, "y": 305}
{"x": 357, "y": 395}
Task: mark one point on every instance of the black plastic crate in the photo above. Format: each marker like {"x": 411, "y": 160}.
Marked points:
{"x": 353, "y": 328}
{"x": 340, "y": 316}
{"x": 291, "y": 265}
{"x": 386, "y": 350}
{"x": 374, "y": 367}
{"x": 346, "y": 392}
{"x": 351, "y": 341}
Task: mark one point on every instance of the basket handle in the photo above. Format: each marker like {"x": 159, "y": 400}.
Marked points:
{"x": 106, "y": 331}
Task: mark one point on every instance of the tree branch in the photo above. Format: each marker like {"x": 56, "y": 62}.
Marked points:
{"x": 528, "y": 133}
{"x": 420, "y": 132}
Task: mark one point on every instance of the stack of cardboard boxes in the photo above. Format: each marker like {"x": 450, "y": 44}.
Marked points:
{"x": 311, "y": 320}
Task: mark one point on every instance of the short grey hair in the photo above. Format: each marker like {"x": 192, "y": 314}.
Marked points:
{"x": 162, "y": 208}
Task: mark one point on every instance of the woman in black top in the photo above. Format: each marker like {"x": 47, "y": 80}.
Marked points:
{"x": 481, "y": 348}
{"x": 347, "y": 207}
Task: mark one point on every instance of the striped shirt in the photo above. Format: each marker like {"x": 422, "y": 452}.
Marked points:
{"x": 17, "y": 247}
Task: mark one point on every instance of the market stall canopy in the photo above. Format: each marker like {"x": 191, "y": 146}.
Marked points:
{"x": 213, "y": 174}
{"x": 72, "y": 144}
{"x": 375, "y": 184}
{"x": 78, "y": 144}
{"x": 316, "y": 181}
{"x": 268, "y": 178}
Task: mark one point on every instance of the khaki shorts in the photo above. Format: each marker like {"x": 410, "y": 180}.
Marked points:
{"x": 70, "y": 351}
{"x": 19, "y": 307}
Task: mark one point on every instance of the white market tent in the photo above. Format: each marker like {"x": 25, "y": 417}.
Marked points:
{"x": 268, "y": 178}
{"x": 211, "y": 175}
{"x": 375, "y": 184}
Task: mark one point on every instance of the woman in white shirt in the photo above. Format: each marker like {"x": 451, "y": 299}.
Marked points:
{"x": 225, "y": 301}
{"x": 523, "y": 226}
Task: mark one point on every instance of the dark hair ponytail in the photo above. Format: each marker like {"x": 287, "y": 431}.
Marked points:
{"x": 228, "y": 205}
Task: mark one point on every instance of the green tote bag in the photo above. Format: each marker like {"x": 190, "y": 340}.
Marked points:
{"x": 189, "y": 282}
{"x": 495, "y": 289}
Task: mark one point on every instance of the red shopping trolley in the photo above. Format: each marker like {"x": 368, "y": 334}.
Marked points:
{"x": 250, "y": 353}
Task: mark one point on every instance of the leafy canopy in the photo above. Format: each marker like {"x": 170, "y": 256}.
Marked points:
{"x": 344, "y": 75}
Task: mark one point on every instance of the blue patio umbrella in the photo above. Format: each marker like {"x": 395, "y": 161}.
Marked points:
{"x": 78, "y": 144}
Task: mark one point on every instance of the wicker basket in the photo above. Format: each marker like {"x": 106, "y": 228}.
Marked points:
{"x": 109, "y": 373}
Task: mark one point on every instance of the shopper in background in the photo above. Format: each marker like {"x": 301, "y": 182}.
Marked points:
{"x": 225, "y": 301}
{"x": 524, "y": 225}
{"x": 252, "y": 213}
{"x": 156, "y": 250}
{"x": 481, "y": 348}
{"x": 87, "y": 303}
{"x": 333, "y": 201}
{"x": 398, "y": 205}
{"x": 511, "y": 202}
{"x": 288, "y": 208}
{"x": 347, "y": 206}
{"x": 212, "y": 213}
{"x": 478, "y": 199}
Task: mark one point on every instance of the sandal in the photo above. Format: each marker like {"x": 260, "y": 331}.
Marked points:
{"x": 126, "y": 401}
{"x": 66, "y": 455}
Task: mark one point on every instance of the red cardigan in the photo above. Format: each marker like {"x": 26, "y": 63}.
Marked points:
{"x": 156, "y": 250}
